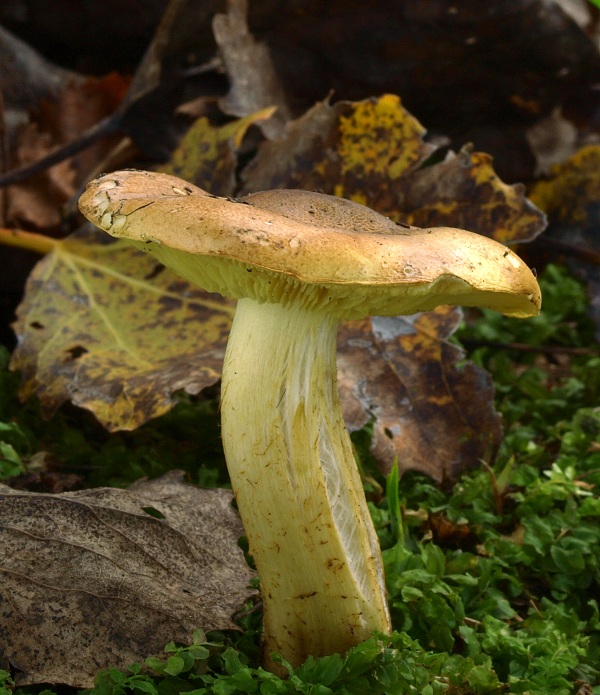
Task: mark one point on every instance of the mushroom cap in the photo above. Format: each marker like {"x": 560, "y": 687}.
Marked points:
{"x": 294, "y": 245}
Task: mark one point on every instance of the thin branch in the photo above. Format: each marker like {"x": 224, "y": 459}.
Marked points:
{"x": 30, "y": 241}
{"x": 581, "y": 252}
{"x": 523, "y": 347}
{"x": 105, "y": 128}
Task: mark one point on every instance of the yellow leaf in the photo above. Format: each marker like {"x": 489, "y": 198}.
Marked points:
{"x": 572, "y": 192}
{"x": 207, "y": 156}
{"x": 378, "y": 137}
{"x": 351, "y": 149}
{"x": 113, "y": 331}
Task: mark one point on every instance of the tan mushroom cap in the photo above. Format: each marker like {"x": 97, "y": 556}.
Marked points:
{"x": 286, "y": 245}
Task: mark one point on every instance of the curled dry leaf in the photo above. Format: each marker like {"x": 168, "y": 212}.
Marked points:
{"x": 433, "y": 412}
{"x": 107, "y": 577}
{"x": 464, "y": 191}
{"x": 38, "y": 201}
{"x": 116, "y": 333}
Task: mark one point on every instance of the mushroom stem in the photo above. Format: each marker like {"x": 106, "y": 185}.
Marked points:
{"x": 297, "y": 485}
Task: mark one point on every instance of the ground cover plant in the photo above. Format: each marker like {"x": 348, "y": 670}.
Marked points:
{"x": 492, "y": 583}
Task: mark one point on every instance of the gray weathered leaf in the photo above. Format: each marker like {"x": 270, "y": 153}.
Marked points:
{"x": 107, "y": 577}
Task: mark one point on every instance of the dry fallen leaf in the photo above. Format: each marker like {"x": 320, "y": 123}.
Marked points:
{"x": 37, "y": 202}
{"x": 107, "y": 577}
{"x": 464, "y": 191}
{"x": 433, "y": 411}
{"x": 80, "y": 106}
{"x": 116, "y": 333}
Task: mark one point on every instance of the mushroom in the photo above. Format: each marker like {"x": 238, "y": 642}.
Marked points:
{"x": 298, "y": 262}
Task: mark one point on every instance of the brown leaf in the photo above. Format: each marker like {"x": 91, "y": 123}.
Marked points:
{"x": 79, "y": 106}
{"x": 433, "y": 412}
{"x": 254, "y": 83}
{"x": 94, "y": 579}
{"x": 109, "y": 329}
{"x": 464, "y": 191}
{"x": 37, "y": 202}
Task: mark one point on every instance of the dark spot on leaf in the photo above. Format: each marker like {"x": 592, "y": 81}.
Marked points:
{"x": 37, "y": 325}
{"x": 77, "y": 351}
{"x": 151, "y": 511}
{"x": 157, "y": 270}
{"x": 170, "y": 303}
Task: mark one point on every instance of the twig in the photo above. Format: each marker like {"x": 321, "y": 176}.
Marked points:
{"x": 30, "y": 241}
{"x": 585, "y": 254}
{"x": 105, "y": 128}
{"x": 523, "y": 347}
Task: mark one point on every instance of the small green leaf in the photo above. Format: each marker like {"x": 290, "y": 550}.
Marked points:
{"x": 175, "y": 665}
{"x": 11, "y": 464}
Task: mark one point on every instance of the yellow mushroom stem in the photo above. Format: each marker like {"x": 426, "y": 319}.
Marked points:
{"x": 297, "y": 485}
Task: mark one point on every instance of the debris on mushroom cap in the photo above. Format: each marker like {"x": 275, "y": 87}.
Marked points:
{"x": 322, "y": 250}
